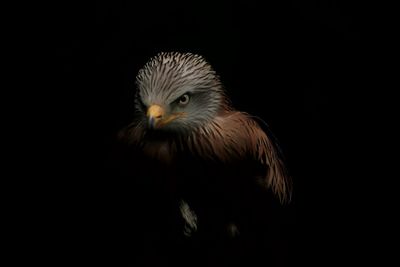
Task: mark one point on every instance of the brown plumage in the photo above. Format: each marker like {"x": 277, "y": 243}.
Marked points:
{"x": 228, "y": 136}
{"x": 232, "y": 136}
{"x": 187, "y": 135}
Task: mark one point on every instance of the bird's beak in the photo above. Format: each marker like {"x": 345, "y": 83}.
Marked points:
{"x": 158, "y": 118}
{"x": 155, "y": 113}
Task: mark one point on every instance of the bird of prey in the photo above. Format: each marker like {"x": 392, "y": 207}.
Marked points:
{"x": 187, "y": 138}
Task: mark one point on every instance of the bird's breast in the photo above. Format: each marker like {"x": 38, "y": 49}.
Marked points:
{"x": 160, "y": 151}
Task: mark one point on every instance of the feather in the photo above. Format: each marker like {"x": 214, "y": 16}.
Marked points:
{"x": 213, "y": 130}
{"x": 236, "y": 137}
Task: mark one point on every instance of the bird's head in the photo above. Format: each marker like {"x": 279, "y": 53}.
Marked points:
{"x": 178, "y": 92}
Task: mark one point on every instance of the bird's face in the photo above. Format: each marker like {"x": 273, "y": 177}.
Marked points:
{"x": 178, "y": 93}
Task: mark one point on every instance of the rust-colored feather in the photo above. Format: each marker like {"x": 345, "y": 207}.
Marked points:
{"x": 236, "y": 136}
{"x": 231, "y": 137}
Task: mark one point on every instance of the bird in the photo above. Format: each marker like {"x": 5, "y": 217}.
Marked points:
{"x": 189, "y": 146}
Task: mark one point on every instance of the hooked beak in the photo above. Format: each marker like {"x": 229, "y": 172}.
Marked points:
{"x": 158, "y": 118}
{"x": 155, "y": 113}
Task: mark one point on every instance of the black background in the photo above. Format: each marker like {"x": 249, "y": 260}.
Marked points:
{"x": 296, "y": 65}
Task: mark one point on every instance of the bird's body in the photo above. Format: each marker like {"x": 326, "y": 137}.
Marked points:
{"x": 189, "y": 145}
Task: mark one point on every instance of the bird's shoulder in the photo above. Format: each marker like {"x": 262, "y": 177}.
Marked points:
{"x": 241, "y": 136}
{"x": 235, "y": 120}
{"x": 239, "y": 129}
{"x": 230, "y": 136}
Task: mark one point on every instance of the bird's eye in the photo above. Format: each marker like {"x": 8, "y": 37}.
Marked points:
{"x": 184, "y": 99}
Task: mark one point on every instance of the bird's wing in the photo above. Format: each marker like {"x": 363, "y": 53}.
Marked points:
{"x": 132, "y": 134}
{"x": 235, "y": 135}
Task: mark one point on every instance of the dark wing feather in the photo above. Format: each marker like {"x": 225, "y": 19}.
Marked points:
{"x": 235, "y": 135}
{"x": 231, "y": 137}
{"x": 132, "y": 134}
{"x": 268, "y": 153}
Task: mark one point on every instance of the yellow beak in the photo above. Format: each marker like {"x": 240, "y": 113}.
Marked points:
{"x": 158, "y": 118}
{"x": 155, "y": 113}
